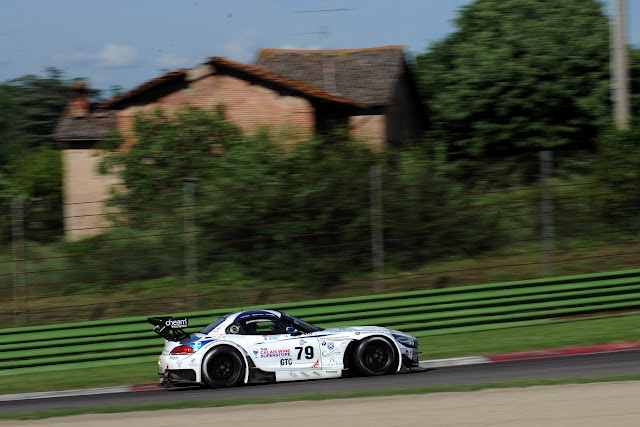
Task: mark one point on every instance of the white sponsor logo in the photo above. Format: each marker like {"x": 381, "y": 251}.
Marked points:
{"x": 177, "y": 323}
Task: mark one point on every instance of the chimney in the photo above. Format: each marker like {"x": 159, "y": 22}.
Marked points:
{"x": 79, "y": 105}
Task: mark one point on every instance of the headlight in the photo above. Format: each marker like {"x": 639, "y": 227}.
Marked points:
{"x": 406, "y": 340}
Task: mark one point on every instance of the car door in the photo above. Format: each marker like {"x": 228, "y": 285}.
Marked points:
{"x": 273, "y": 348}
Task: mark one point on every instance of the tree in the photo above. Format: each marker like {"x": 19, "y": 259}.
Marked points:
{"x": 634, "y": 65}
{"x": 519, "y": 76}
{"x": 36, "y": 104}
{"x": 264, "y": 209}
{"x": 30, "y": 164}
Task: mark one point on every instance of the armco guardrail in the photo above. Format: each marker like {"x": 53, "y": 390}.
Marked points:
{"x": 423, "y": 313}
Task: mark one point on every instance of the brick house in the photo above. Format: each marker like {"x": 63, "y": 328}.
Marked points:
{"x": 369, "y": 90}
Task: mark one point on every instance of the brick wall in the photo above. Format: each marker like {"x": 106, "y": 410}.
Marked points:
{"x": 248, "y": 105}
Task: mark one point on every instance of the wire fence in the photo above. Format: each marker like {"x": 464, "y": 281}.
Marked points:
{"x": 379, "y": 232}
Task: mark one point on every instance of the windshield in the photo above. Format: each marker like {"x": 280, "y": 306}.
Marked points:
{"x": 301, "y": 325}
{"x": 213, "y": 325}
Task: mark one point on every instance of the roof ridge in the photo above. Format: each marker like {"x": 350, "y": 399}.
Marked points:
{"x": 272, "y": 76}
{"x": 401, "y": 47}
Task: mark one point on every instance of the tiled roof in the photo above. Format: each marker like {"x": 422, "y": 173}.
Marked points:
{"x": 284, "y": 80}
{"x": 85, "y": 128}
{"x": 249, "y": 69}
{"x": 368, "y": 76}
{"x": 110, "y": 103}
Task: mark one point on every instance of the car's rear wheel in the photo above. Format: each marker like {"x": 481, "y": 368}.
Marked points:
{"x": 223, "y": 367}
{"x": 375, "y": 356}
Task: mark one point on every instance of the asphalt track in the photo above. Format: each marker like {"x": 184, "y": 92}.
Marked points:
{"x": 547, "y": 364}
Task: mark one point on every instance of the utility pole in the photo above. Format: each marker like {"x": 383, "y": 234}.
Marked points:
{"x": 620, "y": 68}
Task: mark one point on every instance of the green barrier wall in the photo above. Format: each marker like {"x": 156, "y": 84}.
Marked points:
{"x": 422, "y": 313}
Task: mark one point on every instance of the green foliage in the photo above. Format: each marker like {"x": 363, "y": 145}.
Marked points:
{"x": 616, "y": 173}
{"x": 34, "y": 105}
{"x": 120, "y": 256}
{"x": 264, "y": 208}
{"x": 430, "y": 215}
{"x": 299, "y": 212}
{"x": 167, "y": 153}
{"x": 30, "y": 165}
{"x": 519, "y": 76}
{"x": 634, "y": 71}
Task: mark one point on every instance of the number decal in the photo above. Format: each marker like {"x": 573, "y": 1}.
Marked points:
{"x": 308, "y": 352}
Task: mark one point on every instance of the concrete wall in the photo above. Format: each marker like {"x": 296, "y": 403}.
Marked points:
{"x": 84, "y": 193}
{"x": 370, "y": 128}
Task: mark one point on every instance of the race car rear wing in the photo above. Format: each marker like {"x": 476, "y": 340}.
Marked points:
{"x": 169, "y": 328}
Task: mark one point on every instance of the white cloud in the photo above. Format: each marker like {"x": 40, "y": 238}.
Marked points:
{"x": 76, "y": 58}
{"x": 243, "y": 48}
{"x": 169, "y": 61}
{"x": 113, "y": 55}
{"x": 117, "y": 56}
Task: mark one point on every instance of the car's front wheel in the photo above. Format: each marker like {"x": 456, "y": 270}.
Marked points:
{"x": 223, "y": 367}
{"x": 375, "y": 356}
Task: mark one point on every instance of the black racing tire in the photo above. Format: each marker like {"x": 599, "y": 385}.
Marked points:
{"x": 223, "y": 367}
{"x": 375, "y": 356}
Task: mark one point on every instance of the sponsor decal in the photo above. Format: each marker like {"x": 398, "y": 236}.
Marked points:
{"x": 317, "y": 364}
{"x": 265, "y": 352}
{"x": 173, "y": 357}
{"x": 331, "y": 346}
{"x": 302, "y": 342}
{"x": 331, "y": 372}
{"x": 193, "y": 361}
{"x": 324, "y": 343}
{"x": 255, "y": 352}
{"x": 293, "y": 374}
{"x": 330, "y": 357}
{"x": 256, "y": 313}
{"x": 304, "y": 374}
{"x": 316, "y": 374}
{"x": 286, "y": 362}
{"x": 177, "y": 323}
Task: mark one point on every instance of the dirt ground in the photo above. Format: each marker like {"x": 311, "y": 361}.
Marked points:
{"x": 597, "y": 404}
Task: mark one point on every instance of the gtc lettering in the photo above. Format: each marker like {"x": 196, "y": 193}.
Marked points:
{"x": 308, "y": 352}
{"x": 286, "y": 362}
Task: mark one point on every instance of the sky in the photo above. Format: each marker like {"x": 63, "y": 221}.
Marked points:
{"x": 124, "y": 43}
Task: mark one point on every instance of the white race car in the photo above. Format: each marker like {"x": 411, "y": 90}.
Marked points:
{"x": 260, "y": 346}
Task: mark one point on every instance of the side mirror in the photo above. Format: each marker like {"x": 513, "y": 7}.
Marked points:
{"x": 293, "y": 331}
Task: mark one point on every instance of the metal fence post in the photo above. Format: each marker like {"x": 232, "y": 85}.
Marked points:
{"x": 546, "y": 211}
{"x": 377, "y": 231}
{"x": 19, "y": 279}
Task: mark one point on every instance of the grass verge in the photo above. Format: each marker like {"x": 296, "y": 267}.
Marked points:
{"x": 307, "y": 397}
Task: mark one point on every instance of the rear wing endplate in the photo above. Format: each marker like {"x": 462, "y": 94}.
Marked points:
{"x": 169, "y": 328}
